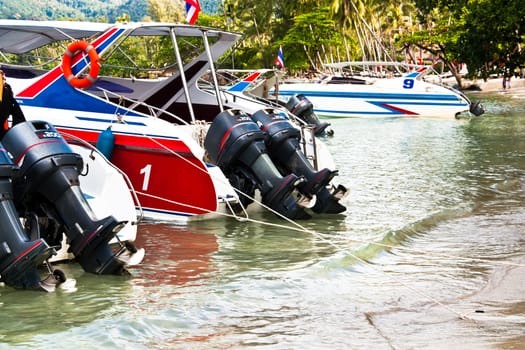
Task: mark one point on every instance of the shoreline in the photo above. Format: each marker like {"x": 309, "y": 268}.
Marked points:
{"x": 491, "y": 85}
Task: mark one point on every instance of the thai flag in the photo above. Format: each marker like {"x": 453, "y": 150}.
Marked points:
{"x": 192, "y": 11}
{"x": 279, "y": 60}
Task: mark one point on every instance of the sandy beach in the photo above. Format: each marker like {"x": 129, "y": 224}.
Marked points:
{"x": 501, "y": 301}
{"x": 506, "y": 285}
{"x": 491, "y": 85}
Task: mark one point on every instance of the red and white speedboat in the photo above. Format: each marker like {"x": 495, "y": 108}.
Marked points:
{"x": 157, "y": 115}
{"x": 163, "y": 161}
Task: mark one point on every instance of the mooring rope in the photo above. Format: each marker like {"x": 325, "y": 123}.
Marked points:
{"x": 338, "y": 248}
{"x": 297, "y": 227}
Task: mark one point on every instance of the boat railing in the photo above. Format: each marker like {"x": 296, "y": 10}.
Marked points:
{"x": 154, "y": 112}
{"x": 32, "y": 61}
{"x": 382, "y": 69}
{"x": 272, "y": 103}
{"x": 227, "y": 79}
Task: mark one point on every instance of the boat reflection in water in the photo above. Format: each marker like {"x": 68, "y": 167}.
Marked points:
{"x": 179, "y": 255}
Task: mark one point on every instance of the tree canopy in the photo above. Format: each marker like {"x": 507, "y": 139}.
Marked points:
{"x": 486, "y": 35}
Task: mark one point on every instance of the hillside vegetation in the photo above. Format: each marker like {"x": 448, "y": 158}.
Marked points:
{"x": 85, "y": 10}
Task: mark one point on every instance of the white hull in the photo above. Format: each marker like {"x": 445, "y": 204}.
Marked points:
{"x": 383, "y": 98}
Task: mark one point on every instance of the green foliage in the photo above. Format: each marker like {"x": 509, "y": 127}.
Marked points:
{"x": 85, "y": 10}
{"x": 165, "y": 11}
{"x": 311, "y": 34}
{"x": 485, "y": 34}
{"x": 149, "y": 57}
{"x": 494, "y": 35}
{"x": 140, "y": 57}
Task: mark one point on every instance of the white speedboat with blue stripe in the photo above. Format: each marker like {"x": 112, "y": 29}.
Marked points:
{"x": 385, "y": 93}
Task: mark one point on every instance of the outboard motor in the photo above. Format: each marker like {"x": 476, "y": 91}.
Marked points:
{"x": 20, "y": 257}
{"x": 300, "y": 106}
{"x": 282, "y": 141}
{"x": 236, "y": 144}
{"x": 476, "y": 108}
{"x": 48, "y": 183}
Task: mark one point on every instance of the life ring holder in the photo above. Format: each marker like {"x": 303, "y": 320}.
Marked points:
{"x": 71, "y": 51}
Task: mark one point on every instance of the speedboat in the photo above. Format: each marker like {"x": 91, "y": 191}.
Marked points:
{"x": 89, "y": 81}
{"x": 380, "y": 90}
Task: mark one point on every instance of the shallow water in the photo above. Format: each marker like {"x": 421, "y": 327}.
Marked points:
{"x": 430, "y": 254}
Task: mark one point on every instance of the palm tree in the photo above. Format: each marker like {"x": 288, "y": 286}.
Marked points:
{"x": 375, "y": 25}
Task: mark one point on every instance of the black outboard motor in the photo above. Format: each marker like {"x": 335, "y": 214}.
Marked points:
{"x": 48, "y": 183}
{"x": 282, "y": 142}
{"x": 301, "y": 107}
{"x": 236, "y": 144}
{"x": 19, "y": 256}
{"x": 476, "y": 108}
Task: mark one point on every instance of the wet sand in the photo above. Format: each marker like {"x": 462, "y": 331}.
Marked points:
{"x": 502, "y": 301}
{"x": 505, "y": 285}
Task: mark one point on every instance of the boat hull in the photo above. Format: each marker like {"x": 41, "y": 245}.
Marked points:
{"x": 160, "y": 159}
{"x": 384, "y": 99}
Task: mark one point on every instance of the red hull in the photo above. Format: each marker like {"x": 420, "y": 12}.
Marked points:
{"x": 166, "y": 175}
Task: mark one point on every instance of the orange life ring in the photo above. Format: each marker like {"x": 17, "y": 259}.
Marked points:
{"x": 71, "y": 51}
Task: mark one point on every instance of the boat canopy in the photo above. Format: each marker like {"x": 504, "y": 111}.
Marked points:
{"x": 19, "y": 36}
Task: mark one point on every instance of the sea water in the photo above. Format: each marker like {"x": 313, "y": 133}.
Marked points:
{"x": 430, "y": 254}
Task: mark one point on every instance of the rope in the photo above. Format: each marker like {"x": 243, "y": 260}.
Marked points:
{"x": 320, "y": 235}
{"x": 297, "y": 227}
{"x": 124, "y": 175}
{"x": 220, "y": 180}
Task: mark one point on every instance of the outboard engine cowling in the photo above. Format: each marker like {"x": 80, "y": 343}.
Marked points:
{"x": 48, "y": 181}
{"x": 476, "y": 108}
{"x": 301, "y": 107}
{"x": 282, "y": 141}
{"x": 20, "y": 257}
{"x": 236, "y": 144}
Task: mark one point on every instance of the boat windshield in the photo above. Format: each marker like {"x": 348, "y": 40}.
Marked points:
{"x": 137, "y": 56}
{"x": 149, "y": 56}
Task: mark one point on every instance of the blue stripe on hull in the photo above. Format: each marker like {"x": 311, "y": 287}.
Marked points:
{"x": 368, "y": 96}
{"x": 386, "y": 101}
